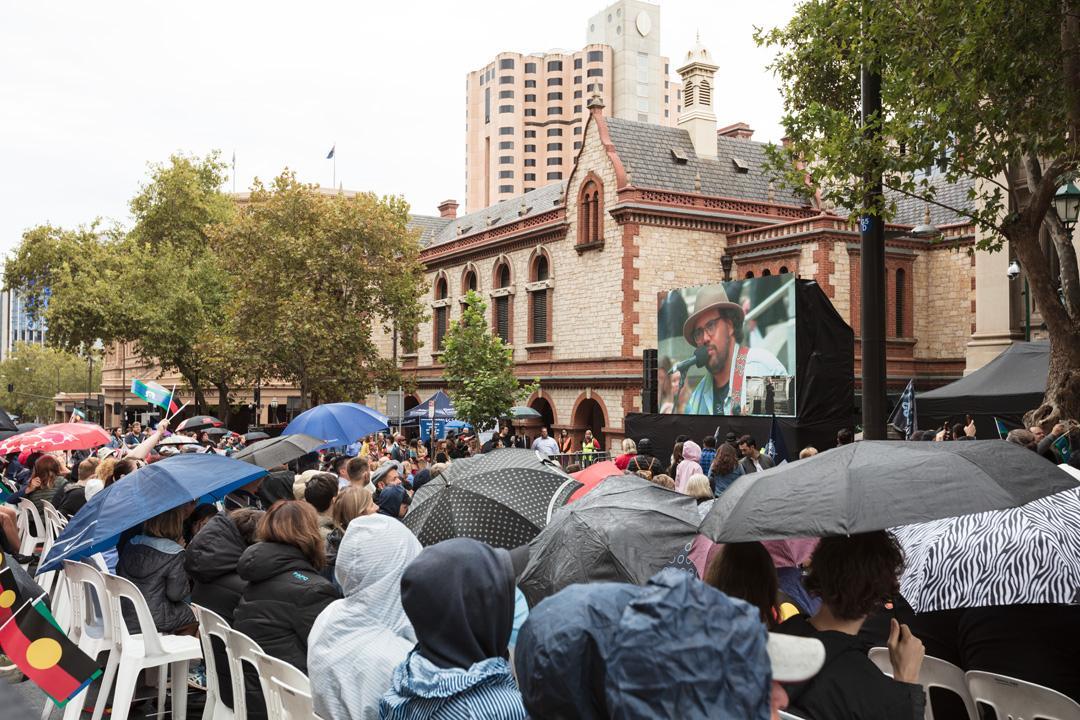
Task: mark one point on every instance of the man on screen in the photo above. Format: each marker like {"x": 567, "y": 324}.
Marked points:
{"x": 717, "y": 325}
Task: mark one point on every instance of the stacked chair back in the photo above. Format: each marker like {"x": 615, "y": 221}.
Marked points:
{"x": 242, "y": 650}
{"x": 281, "y": 674}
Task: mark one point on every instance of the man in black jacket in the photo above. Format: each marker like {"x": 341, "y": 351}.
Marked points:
{"x": 852, "y": 575}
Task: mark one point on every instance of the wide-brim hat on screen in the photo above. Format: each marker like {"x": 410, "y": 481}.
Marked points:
{"x": 711, "y": 297}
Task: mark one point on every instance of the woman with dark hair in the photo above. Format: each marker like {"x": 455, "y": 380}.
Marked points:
{"x": 285, "y": 591}
{"x": 853, "y": 576}
{"x": 725, "y": 468}
{"x": 745, "y": 571}
{"x": 676, "y": 458}
{"x": 154, "y": 561}
{"x": 42, "y": 483}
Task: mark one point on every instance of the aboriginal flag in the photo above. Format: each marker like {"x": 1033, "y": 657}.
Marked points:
{"x": 36, "y": 644}
{"x": 10, "y": 599}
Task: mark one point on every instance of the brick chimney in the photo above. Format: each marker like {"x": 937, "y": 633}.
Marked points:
{"x": 448, "y": 209}
{"x": 739, "y": 131}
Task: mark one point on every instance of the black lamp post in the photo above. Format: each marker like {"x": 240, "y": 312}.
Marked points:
{"x": 1067, "y": 204}
{"x": 726, "y": 261}
{"x": 872, "y": 271}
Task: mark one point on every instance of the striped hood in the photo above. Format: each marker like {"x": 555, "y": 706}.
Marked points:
{"x": 421, "y": 690}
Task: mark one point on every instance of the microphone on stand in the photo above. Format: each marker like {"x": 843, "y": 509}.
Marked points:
{"x": 700, "y": 358}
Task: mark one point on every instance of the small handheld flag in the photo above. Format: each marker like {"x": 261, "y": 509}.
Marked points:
{"x": 154, "y": 394}
{"x": 776, "y": 448}
{"x": 330, "y": 155}
{"x": 10, "y": 598}
{"x": 1004, "y": 427}
{"x": 1064, "y": 447}
{"x": 33, "y": 640}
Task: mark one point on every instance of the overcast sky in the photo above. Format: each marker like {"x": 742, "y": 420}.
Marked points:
{"x": 91, "y": 92}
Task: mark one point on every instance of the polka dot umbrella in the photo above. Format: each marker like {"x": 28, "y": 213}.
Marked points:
{"x": 503, "y": 498}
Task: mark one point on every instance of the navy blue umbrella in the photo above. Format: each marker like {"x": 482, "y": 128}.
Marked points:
{"x": 338, "y": 423}
{"x": 147, "y": 492}
{"x": 444, "y": 408}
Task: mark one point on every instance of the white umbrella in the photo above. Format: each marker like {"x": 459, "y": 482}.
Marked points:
{"x": 1025, "y": 555}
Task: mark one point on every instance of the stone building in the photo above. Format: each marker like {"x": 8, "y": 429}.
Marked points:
{"x": 572, "y": 271}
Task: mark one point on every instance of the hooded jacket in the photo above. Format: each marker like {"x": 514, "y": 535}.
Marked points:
{"x": 210, "y": 560}
{"x": 357, "y": 642}
{"x": 283, "y": 596}
{"x": 849, "y": 686}
{"x": 459, "y": 596}
{"x": 156, "y": 566}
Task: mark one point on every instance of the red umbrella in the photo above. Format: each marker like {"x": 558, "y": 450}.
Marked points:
{"x": 61, "y": 436}
{"x": 591, "y": 476}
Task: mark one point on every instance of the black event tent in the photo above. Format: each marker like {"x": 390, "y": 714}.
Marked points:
{"x": 1006, "y": 387}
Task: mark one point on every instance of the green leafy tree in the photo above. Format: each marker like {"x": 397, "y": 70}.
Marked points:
{"x": 479, "y": 368}
{"x": 161, "y": 285}
{"x": 314, "y": 275}
{"x": 37, "y": 372}
{"x": 989, "y": 89}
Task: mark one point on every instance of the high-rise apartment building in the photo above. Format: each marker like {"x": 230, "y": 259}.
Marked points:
{"x": 16, "y": 323}
{"x": 526, "y": 112}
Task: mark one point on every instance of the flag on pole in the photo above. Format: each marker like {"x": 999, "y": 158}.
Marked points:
{"x": 904, "y": 419}
{"x": 1003, "y": 427}
{"x": 776, "y": 448}
{"x": 33, "y": 640}
{"x": 330, "y": 155}
{"x": 77, "y": 415}
{"x": 155, "y": 394}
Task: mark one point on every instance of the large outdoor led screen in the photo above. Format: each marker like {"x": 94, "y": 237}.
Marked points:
{"x": 729, "y": 348}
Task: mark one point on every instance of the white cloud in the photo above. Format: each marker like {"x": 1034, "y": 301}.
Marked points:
{"x": 92, "y": 92}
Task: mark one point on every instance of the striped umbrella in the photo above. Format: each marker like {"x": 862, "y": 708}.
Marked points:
{"x": 1029, "y": 554}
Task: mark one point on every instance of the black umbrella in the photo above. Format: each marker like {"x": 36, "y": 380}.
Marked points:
{"x": 216, "y": 431}
{"x": 279, "y": 450}
{"x": 503, "y": 499}
{"x": 199, "y": 422}
{"x": 874, "y": 485}
{"x": 625, "y": 530}
{"x": 255, "y": 436}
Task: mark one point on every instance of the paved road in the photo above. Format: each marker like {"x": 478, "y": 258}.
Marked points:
{"x": 35, "y": 700}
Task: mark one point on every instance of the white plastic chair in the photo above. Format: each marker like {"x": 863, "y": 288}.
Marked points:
{"x": 242, "y": 649}
{"x": 934, "y": 672}
{"x": 280, "y": 674}
{"x": 295, "y": 704}
{"x": 27, "y": 511}
{"x": 55, "y": 582}
{"x": 92, "y": 630}
{"x": 1014, "y": 699}
{"x": 212, "y": 625}
{"x": 147, "y": 649}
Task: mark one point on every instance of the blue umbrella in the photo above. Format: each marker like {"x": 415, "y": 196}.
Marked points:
{"x": 338, "y": 423}
{"x": 444, "y": 408}
{"x": 458, "y": 425}
{"x": 147, "y": 492}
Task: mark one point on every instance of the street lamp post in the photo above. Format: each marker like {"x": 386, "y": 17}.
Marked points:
{"x": 726, "y": 261}
{"x": 872, "y": 271}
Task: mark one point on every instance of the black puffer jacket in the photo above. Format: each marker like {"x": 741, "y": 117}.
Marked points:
{"x": 156, "y": 567}
{"x": 284, "y": 595}
{"x": 210, "y": 560}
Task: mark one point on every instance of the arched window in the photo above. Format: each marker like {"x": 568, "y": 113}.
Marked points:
{"x": 784, "y": 270}
{"x": 468, "y": 282}
{"x": 590, "y": 212}
{"x": 502, "y": 309}
{"x": 749, "y": 274}
{"x": 688, "y": 93}
{"x": 899, "y": 301}
{"x": 705, "y": 93}
{"x": 540, "y": 300}
{"x": 766, "y": 272}
{"x": 441, "y": 319}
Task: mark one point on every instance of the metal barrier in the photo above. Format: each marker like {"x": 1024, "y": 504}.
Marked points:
{"x": 582, "y": 459}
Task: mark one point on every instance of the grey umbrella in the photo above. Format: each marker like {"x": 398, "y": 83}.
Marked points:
{"x": 625, "y": 530}
{"x": 502, "y": 498}
{"x": 874, "y": 485}
{"x": 278, "y": 450}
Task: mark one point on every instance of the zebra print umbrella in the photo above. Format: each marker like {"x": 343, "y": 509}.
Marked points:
{"x": 1029, "y": 554}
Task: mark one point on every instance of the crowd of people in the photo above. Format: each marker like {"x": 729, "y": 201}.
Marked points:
{"x": 313, "y": 562}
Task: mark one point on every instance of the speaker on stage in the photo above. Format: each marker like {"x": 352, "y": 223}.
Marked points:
{"x": 648, "y": 382}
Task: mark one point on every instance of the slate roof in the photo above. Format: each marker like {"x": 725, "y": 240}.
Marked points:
{"x": 646, "y": 153}
{"x": 912, "y": 211}
{"x": 428, "y": 225}
{"x": 436, "y": 231}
